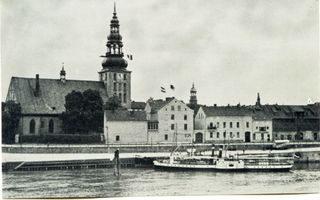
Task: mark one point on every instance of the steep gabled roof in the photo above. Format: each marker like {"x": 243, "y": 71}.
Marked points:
{"x": 157, "y": 104}
{"x": 51, "y": 99}
{"x": 125, "y": 115}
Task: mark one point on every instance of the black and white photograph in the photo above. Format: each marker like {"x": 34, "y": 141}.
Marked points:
{"x": 159, "y": 98}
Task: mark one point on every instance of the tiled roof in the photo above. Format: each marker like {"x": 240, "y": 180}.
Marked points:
{"x": 51, "y": 99}
{"x": 226, "y": 111}
{"x": 158, "y": 104}
{"x": 293, "y": 125}
{"x": 138, "y": 105}
{"x": 125, "y": 115}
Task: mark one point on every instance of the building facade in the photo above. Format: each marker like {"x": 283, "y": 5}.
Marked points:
{"x": 125, "y": 127}
{"x": 223, "y": 124}
{"x": 169, "y": 120}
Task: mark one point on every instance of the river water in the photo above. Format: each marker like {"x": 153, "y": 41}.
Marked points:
{"x": 305, "y": 178}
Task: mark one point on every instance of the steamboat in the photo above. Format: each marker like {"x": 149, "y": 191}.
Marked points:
{"x": 226, "y": 162}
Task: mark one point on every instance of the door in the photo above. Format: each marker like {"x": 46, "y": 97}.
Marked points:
{"x": 199, "y": 138}
{"x": 247, "y": 137}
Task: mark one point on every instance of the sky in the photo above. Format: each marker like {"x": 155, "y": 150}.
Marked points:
{"x": 230, "y": 49}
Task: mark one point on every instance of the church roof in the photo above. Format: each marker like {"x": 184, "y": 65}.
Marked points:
{"x": 51, "y": 99}
{"x": 138, "y": 105}
{"x": 125, "y": 115}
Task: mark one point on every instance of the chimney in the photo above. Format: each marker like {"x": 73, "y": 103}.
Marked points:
{"x": 37, "y": 89}
{"x": 215, "y": 105}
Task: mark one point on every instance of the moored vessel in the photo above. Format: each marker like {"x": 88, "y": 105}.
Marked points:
{"x": 238, "y": 162}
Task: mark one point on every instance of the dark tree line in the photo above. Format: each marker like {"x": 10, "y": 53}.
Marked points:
{"x": 11, "y": 113}
{"x": 84, "y": 112}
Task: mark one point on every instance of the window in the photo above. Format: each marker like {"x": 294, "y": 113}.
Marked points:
{"x": 211, "y": 124}
{"x": 120, "y": 97}
{"x": 172, "y": 126}
{"x": 257, "y": 128}
{"x": 117, "y": 137}
{"x": 152, "y": 125}
{"x": 185, "y": 126}
{"x": 51, "y": 126}
{"x": 32, "y": 126}
{"x": 185, "y": 117}
{"x": 166, "y": 137}
{"x": 218, "y": 134}
{"x": 276, "y": 135}
{"x": 230, "y": 124}
{"x": 224, "y": 124}
{"x": 124, "y": 76}
{"x": 120, "y": 86}
{"x": 238, "y": 124}
{"x": 179, "y": 108}
{"x": 125, "y": 97}
{"x": 224, "y": 134}
{"x": 115, "y": 76}
{"x": 268, "y": 137}
{"x": 289, "y": 137}
{"x": 238, "y": 135}
{"x": 262, "y": 129}
{"x": 262, "y": 136}
{"x": 267, "y": 127}
{"x": 211, "y": 135}
{"x": 172, "y": 117}
{"x": 217, "y": 124}
{"x": 125, "y": 87}
{"x": 254, "y": 136}
{"x": 114, "y": 86}
{"x": 42, "y": 124}
{"x": 282, "y": 137}
{"x": 231, "y": 136}
{"x": 172, "y": 107}
{"x": 247, "y": 124}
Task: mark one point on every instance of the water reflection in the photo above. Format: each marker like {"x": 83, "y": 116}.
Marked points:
{"x": 149, "y": 182}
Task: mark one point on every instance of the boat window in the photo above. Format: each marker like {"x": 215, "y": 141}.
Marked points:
{"x": 231, "y": 165}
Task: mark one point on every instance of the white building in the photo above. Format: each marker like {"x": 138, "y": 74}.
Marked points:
{"x": 169, "y": 120}
{"x": 222, "y": 124}
{"x": 125, "y": 127}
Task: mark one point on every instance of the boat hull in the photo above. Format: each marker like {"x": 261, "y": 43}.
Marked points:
{"x": 179, "y": 167}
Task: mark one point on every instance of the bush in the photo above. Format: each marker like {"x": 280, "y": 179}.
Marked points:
{"x": 62, "y": 139}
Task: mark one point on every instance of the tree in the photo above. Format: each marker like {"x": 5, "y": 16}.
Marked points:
{"x": 84, "y": 112}
{"x": 113, "y": 103}
{"x": 11, "y": 113}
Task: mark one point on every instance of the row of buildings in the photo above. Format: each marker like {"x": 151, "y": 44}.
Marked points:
{"x": 156, "y": 120}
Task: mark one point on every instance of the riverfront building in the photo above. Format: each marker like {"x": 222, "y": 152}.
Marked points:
{"x": 169, "y": 120}
{"x": 258, "y": 123}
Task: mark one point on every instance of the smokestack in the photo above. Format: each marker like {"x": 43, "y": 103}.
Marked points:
{"x": 37, "y": 89}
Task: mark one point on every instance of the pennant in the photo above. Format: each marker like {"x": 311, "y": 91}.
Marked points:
{"x": 163, "y": 89}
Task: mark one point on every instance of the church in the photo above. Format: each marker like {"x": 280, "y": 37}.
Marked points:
{"x": 42, "y": 100}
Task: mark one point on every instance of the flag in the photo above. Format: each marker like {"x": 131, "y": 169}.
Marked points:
{"x": 163, "y": 89}
{"x": 129, "y": 57}
{"x": 172, "y": 87}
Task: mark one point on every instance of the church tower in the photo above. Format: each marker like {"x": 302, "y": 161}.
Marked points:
{"x": 114, "y": 73}
{"x": 193, "y": 96}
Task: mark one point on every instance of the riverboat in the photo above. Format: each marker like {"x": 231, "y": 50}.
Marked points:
{"x": 263, "y": 162}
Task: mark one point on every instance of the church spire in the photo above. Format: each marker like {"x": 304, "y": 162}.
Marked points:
{"x": 114, "y": 55}
{"x": 258, "y": 103}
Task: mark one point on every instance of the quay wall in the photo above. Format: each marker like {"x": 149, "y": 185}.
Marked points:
{"x": 139, "y": 148}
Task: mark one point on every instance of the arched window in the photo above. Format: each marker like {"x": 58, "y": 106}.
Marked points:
{"x": 32, "y": 126}
{"x": 51, "y": 126}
